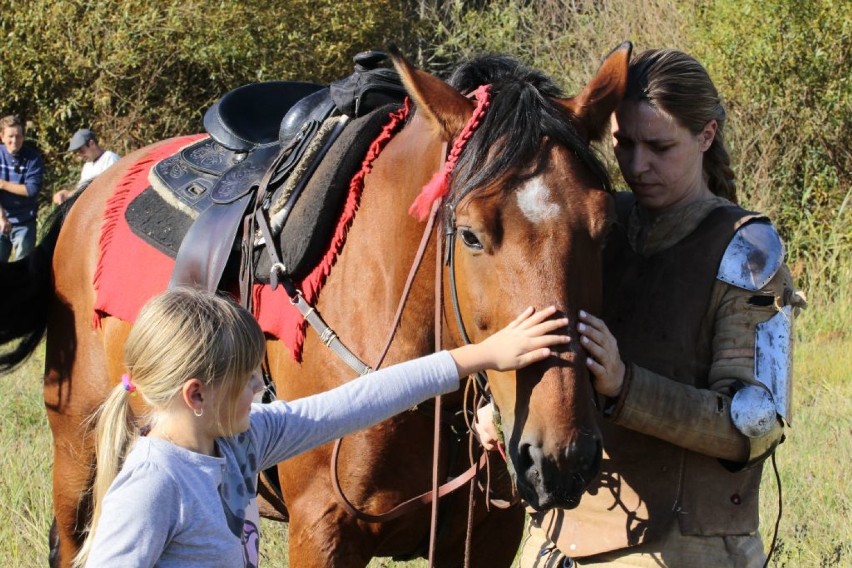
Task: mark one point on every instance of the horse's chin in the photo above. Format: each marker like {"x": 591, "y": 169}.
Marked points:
{"x": 544, "y": 486}
{"x": 544, "y": 500}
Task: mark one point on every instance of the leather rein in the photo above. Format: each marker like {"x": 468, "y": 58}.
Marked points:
{"x": 330, "y": 339}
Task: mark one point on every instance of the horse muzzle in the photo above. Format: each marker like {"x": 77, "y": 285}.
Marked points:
{"x": 556, "y": 480}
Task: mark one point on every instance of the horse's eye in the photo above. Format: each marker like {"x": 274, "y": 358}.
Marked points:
{"x": 470, "y": 239}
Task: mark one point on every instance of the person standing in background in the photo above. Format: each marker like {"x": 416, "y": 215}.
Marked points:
{"x": 85, "y": 144}
{"x": 21, "y": 179}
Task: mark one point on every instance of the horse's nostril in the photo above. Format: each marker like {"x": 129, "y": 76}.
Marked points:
{"x": 525, "y": 459}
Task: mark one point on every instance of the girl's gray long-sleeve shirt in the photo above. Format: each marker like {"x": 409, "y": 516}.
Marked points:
{"x": 170, "y": 506}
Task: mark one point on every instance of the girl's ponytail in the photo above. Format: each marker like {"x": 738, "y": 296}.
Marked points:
{"x": 115, "y": 433}
{"x": 179, "y": 334}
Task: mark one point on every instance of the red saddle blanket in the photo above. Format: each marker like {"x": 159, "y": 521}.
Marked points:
{"x": 130, "y": 271}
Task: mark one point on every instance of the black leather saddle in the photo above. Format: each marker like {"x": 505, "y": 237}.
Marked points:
{"x": 222, "y": 168}
{"x": 253, "y": 115}
{"x": 259, "y": 134}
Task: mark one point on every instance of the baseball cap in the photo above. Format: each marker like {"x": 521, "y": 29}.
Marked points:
{"x": 79, "y": 139}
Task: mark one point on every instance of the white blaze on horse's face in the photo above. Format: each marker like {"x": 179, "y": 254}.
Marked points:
{"x": 535, "y": 203}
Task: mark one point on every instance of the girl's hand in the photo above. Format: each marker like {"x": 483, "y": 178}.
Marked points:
{"x": 485, "y": 427}
{"x": 605, "y": 361}
{"x": 525, "y": 341}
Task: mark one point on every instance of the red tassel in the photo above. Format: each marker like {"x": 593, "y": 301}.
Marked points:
{"x": 439, "y": 185}
{"x": 435, "y": 189}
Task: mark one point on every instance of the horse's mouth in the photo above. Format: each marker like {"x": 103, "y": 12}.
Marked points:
{"x": 546, "y": 486}
{"x": 542, "y": 499}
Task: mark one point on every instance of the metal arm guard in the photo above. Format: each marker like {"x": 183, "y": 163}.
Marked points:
{"x": 751, "y": 260}
{"x": 753, "y": 256}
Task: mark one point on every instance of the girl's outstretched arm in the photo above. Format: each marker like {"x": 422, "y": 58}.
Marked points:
{"x": 284, "y": 429}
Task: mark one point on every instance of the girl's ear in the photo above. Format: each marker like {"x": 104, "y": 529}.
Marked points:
{"x": 192, "y": 394}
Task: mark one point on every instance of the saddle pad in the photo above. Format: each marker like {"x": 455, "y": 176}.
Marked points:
{"x": 306, "y": 235}
{"x": 131, "y": 270}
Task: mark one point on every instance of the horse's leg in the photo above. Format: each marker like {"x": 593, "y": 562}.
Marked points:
{"x": 71, "y": 456}
{"x": 53, "y": 545}
{"x": 79, "y": 361}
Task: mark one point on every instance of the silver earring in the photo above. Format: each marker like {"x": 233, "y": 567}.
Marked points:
{"x": 198, "y": 412}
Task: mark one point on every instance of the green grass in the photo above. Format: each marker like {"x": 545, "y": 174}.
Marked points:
{"x": 813, "y": 462}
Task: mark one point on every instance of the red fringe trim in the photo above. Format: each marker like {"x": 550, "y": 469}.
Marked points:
{"x": 313, "y": 283}
{"x": 117, "y": 204}
{"x": 439, "y": 185}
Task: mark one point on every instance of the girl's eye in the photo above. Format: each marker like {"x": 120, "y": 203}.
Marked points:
{"x": 470, "y": 239}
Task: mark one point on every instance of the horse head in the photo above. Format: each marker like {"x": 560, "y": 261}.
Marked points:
{"x": 526, "y": 209}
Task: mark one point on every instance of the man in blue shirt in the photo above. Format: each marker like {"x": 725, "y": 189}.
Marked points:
{"x": 21, "y": 178}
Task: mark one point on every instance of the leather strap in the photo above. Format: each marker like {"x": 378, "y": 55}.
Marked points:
{"x": 406, "y": 506}
{"x": 271, "y": 496}
{"x": 436, "y": 436}
{"x": 200, "y": 262}
{"x": 278, "y": 275}
{"x": 415, "y": 265}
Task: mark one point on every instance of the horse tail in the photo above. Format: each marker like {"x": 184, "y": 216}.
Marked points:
{"x": 26, "y": 288}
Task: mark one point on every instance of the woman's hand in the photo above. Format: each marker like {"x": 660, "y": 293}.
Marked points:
{"x": 605, "y": 361}
{"x": 525, "y": 341}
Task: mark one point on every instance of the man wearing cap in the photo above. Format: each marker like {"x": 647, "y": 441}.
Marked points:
{"x": 85, "y": 144}
{"x": 21, "y": 178}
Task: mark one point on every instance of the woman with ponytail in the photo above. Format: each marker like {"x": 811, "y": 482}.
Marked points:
{"x": 691, "y": 354}
{"x": 176, "y": 486}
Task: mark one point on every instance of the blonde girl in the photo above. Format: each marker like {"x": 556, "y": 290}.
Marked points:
{"x": 184, "y": 494}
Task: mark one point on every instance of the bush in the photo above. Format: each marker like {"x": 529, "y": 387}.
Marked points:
{"x": 781, "y": 66}
{"x": 139, "y": 71}
{"x": 789, "y": 93}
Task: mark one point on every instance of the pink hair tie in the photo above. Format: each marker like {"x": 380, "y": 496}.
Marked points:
{"x": 128, "y": 384}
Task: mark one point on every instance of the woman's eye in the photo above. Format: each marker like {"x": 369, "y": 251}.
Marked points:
{"x": 469, "y": 239}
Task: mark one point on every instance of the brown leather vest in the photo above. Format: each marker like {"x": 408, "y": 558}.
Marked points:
{"x": 657, "y": 308}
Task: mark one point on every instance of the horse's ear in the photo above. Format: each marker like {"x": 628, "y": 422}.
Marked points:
{"x": 603, "y": 93}
{"x": 446, "y": 108}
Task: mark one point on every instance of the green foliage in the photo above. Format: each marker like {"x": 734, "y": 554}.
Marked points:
{"x": 789, "y": 93}
{"x": 138, "y": 71}
{"x": 565, "y": 39}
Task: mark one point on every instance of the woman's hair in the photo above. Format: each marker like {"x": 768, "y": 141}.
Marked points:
{"x": 179, "y": 335}
{"x": 676, "y": 83}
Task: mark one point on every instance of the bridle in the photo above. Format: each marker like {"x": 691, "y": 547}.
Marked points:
{"x": 436, "y": 190}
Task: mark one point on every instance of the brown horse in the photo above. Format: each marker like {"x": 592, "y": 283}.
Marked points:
{"x": 526, "y": 211}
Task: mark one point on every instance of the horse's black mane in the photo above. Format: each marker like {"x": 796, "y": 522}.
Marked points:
{"x": 521, "y": 114}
